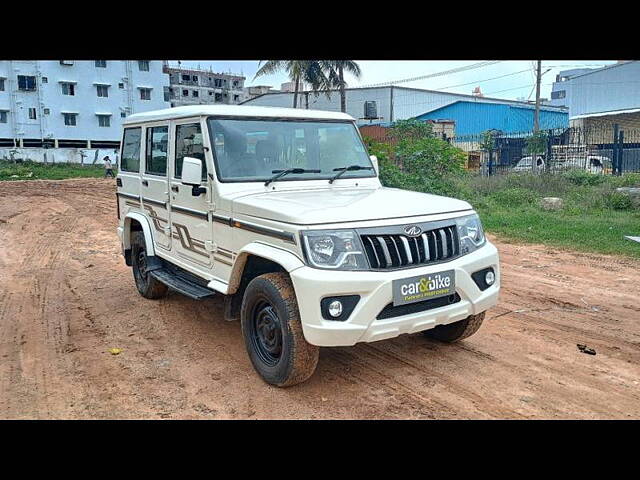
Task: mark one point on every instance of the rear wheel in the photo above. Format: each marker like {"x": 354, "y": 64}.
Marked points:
{"x": 273, "y": 333}
{"x": 456, "y": 331}
{"x": 148, "y": 286}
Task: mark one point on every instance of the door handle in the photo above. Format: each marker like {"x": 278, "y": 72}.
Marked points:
{"x": 145, "y": 183}
{"x": 174, "y": 188}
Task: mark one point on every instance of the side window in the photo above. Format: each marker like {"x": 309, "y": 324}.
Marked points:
{"x": 156, "y": 153}
{"x": 189, "y": 144}
{"x": 130, "y": 161}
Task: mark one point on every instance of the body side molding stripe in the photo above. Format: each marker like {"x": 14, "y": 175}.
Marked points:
{"x": 188, "y": 211}
{"x": 154, "y": 202}
{"x": 128, "y": 195}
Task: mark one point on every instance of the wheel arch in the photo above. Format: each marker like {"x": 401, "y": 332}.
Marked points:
{"x": 137, "y": 222}
{"x": 257, "y": 258}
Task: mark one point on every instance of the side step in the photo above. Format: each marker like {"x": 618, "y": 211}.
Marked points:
{"x": 181, "y": 284}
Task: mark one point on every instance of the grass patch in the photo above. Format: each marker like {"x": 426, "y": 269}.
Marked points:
{"x": 594, "y": 218}
{"x": 40, "y": 171}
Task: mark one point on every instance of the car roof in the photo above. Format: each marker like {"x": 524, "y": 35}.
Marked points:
{"x": 234, "y": 111}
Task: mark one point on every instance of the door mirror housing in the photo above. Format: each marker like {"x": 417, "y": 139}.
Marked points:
{"x": 191, "y": 171}
{"x": 374, "y": 161}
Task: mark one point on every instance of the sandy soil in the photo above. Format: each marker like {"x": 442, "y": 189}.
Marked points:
{"x": 66, "y": 298}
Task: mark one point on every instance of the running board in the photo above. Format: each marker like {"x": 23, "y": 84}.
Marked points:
{"x": 181, "y": 285}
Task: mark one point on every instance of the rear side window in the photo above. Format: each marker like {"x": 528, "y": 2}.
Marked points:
{"x": 156, "y": 152}
{"x": 189, "y": 144}
{"x": 130, "y": 161}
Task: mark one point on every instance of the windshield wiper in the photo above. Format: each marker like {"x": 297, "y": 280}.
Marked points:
{"x": 282, "y": 173}
{"x": 342, "y": 170}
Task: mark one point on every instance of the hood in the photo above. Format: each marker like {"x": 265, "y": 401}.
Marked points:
{"x": 306, "y": 207}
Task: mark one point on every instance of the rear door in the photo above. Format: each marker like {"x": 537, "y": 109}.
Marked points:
{"x": 191, "y": 227}
{"x": 154, "y": 185}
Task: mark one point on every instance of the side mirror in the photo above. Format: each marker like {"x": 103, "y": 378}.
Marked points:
{"x": 374, "y": 160}
{"x": 192, "y": 175}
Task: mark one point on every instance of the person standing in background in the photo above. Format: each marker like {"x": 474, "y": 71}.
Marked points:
{"x": 108, "y": 168}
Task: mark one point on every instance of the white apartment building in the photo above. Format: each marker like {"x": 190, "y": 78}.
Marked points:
{"x": 71, "y": 103}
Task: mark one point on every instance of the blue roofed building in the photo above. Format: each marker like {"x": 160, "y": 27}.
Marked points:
{"x": 472, "y": 118}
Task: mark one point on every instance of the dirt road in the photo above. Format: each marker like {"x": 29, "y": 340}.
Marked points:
{"x": 66, "y": 298}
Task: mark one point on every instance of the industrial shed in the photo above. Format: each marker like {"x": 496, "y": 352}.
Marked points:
{"x": 471, "y": 114}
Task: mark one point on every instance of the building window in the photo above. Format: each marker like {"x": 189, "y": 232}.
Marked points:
{"x": 46, "y": 111}
{"x": 1, "y": 84}
{"x": 218, "y": 97}
{"x": 145, "y": 94}
{"x": 101, "y": 64}
{"x": 235, "y": 84}
{"x": 26, "y": 83}
{"x": 121, "y": 85}
{"x": 103, "y": 90}
{"x": 70, "y": 119}
{"x": 66, "y": 62}
{"x": 558, "y": 94}
{"x": 217, "y": 82}
{"x": 32, "y": 114}
{"x": 45, "y": 80}
{"x": 195, "y": 78}
{"x": 104, "y": 120}
{"x": 185, "y": 92}
{"x": 210, "y": 93}
{"x": 143, "y": 65}
{"x": 3, "y": 116}
{"x": 236, "y": 98}
{"x": 130, "y": 158}
{"x": 195, "y": 93}
{"x": 123, "y": 114}
{"x": 156, "y": 151}
{"x": 189, "y": 144}
{"x": 68, "y": 88}
{"x": 185, "y": 78}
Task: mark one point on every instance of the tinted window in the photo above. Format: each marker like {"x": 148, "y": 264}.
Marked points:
{"x": 189, "y": 144}
{"x": 157, "y": 142}
{"x": 130, "y": 161}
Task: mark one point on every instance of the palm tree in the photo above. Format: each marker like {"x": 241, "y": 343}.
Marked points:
{"x": 335, "y": 72}
{"x": 311, "y": 72}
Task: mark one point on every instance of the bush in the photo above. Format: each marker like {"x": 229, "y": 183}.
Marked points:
{"x": 618, "y": 201}
{"x": 580, "y": 177}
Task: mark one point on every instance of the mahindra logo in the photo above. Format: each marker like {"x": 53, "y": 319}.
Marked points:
{"x": 413, "y": 230}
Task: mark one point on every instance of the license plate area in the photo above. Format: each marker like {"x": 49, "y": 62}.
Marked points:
{"x": 424, "y": 287}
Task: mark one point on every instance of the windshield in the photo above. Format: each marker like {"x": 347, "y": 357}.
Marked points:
{"x": 250, "y": 150}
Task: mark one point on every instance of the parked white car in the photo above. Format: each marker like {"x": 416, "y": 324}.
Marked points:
{"x": 281, "y": 212}
{"x": 590, "y": 163}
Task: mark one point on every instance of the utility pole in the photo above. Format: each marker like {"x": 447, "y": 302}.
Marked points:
{"x": 536, "y": 114}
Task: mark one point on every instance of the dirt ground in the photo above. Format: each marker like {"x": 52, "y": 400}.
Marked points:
{"x": 66, "y": 298}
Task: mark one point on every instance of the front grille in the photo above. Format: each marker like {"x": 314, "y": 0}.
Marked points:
{"x": 397, "y": 251}
{"x": 390, "y": 311}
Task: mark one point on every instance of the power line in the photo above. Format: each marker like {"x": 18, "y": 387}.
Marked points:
{"x": 481, "y": 81}
{"x": 473, "y": 66}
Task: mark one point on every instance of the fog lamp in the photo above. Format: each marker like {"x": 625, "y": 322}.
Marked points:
{"x": 490, "y": 277}
{"x": 335, "y": 308}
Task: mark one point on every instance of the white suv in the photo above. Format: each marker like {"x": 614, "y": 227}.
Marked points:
{"x": 281, "y": 211}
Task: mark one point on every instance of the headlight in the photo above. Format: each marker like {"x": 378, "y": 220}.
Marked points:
{"x": 470, "y": 233}
{"x": 334, "y": 249}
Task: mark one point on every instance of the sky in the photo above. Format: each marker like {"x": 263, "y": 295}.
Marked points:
{"x": 516, "y": 82}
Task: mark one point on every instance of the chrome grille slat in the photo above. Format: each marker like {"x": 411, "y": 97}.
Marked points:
{"x": 397, "y": 250}
{"x": 407, "y": 249}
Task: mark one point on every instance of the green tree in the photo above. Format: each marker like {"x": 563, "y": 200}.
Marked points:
{"x": 311, "y": 72}
{"x": 335, "y": 70}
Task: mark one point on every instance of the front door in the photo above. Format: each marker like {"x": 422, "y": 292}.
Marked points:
{"x": 191, "y": 226}
{"x": 154, "y": 188}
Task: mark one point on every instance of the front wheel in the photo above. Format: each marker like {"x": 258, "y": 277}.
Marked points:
{"x": 273, "y": 332}
{"x": 456, "y": 331}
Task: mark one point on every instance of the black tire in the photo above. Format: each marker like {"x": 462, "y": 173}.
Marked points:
{"x": 273, "y": 333}
{"x": 456, "y": 331}
{"x": 148, "y": 286}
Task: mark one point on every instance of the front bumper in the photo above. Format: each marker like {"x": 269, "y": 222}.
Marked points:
{"x": 375, "y": 289}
